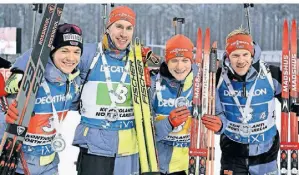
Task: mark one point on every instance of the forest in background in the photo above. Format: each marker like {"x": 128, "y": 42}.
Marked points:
{"x": 154, "y": 21}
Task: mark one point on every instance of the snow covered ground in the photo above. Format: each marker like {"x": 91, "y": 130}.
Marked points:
{"x": 69, "y": 155}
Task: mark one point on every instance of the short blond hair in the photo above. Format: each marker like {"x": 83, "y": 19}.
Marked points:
{"x": 238, "y": 31}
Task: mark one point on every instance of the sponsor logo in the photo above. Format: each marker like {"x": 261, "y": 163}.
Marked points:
{"x": 170, "y": 103}
{"x": 113, "y": 69}
{"x": 293, "y": 73}
{"x": 34, "y": 139}
{"x": 53, "y": 34}
{"x": 180, "y": 138}
{"x": 257, "y": 92}
{"x": 285, "y": 73}
{"x": 55, "y": 99}
{"x": 142, "y": 82}
{"x": 43, "y": 34}
{"x": 134, "y": 83}
{"x": 123, "y": 113}
{"x": 197, "y": 86}
{"x": 72, "y": 37}
{"x": 20, "y": 130}
{"x": 178, "y": 51}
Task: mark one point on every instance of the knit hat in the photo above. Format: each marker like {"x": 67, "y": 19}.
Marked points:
{"x": 121, "y": 13}
{"x": 68, "y": 35}
{"x": 239, "y": 41}
{"x": 179, "y": 46}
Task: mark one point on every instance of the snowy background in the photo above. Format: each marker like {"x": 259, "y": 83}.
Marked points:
{"x": 69, "y": 155}
{"x": 154, "y": 22}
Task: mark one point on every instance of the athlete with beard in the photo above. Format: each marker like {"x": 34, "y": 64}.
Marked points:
{"x": 106, "y": 134}
{"x": 245, "y": 109}
{"x": 171, "y": 95}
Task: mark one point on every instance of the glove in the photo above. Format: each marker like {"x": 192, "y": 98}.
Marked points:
{"x": 12, "y": 113}
{"x": 147, "y": 54}
{"x": 212, "y": 122}
{"x": 2, "y": 85}
{"x": 14, "y": 81}
{"x": 178, "y": 116}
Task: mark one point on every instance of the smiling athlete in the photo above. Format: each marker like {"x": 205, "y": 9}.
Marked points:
{"x": 53, "y": 100}
{"x": 171, "y": 92}
{"x": 245, "y": 109}
{"x": 106, "y": 134}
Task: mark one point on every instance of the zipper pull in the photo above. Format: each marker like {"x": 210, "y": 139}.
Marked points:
{"x": 244, "y": 90}
{"x": 180, "y": 90}
{"x": 67, "y": 87}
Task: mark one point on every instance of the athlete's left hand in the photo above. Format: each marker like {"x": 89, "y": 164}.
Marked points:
{"x": 14, "y": 81}
{"x": 147, "y": 54}
{"x": 212, "y": 122}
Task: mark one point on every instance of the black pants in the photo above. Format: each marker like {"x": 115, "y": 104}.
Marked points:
{"x": 89, "y": 164}
{"x": 234, "y": 166}
{"x": 232, "y": 163}
{"x": 176, "y": 173}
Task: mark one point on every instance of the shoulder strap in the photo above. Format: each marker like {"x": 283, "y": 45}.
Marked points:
{"x": 94, "y": 61}
{"x": 267, "y": 72}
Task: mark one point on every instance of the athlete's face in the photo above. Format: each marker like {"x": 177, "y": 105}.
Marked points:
{"x": 179, "y": 67}
{"x": 241, "y": 61}
{"x": 121, "y": 33}
{"x": 67, "y": 58}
